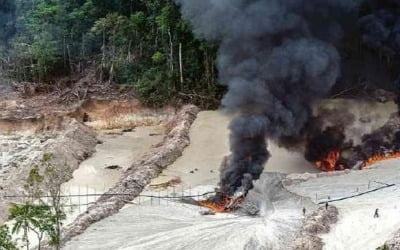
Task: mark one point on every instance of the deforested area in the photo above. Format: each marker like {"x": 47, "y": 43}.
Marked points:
{"x": 213, "y": 124}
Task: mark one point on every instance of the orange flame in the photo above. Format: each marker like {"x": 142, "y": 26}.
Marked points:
{"x": 228, "y": 204}
{"x": 329, "y": 163}
{"x": 377, "y": 158}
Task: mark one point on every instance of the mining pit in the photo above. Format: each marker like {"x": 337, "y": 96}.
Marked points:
{"x": 108, "y": 153}
{"x": 284, "y": 189}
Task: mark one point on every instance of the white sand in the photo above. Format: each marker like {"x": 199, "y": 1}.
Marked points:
{"x": 168, "y": 225}
{"x": 356, "y": 228}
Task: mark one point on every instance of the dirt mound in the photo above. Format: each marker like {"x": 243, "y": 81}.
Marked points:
{"x": 317, "y": 223}
{"x": 72, "y": 146}
{"x": 394, "y": 243}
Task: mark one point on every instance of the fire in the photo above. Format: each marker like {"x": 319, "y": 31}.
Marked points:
{"x": 377, "y": 158}
{"x": 228, "y": 204}
{"x": 329, "y": 163}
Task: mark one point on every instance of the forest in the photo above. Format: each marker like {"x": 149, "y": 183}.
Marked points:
{"x": 147, "y": 45}
{"x": 144, "y": 44}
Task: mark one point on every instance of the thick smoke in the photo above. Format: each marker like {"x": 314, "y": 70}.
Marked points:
{"x": 275, "y": 58}
{"x": 380, "y": 27}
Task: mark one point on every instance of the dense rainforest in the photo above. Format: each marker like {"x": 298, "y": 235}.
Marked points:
{"x": 145, "y": 44}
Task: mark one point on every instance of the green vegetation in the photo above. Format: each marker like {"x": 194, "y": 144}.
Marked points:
{"x": 145, "y": 44}
{"x": 384, "y": 247}
{"x": 41, "y": 216}
{"x": 6, "y": 242}
{"x": 36, "y": 218}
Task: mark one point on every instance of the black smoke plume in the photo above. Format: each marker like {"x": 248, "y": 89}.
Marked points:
{"x": 380, "y": 26}
{"x": 320, "y": 144}
{"x": 277, "y": 58}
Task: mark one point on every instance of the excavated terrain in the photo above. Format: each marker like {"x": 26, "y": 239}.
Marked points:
{"x": 118, "y": 146}
{"x": 167, "y": 224}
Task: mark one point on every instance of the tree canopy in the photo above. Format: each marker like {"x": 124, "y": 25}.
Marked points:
{"x": 145, "y": 44}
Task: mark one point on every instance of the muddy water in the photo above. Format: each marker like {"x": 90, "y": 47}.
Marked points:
{"x": 209, "y": 137}
{"x": 119, "y": 150}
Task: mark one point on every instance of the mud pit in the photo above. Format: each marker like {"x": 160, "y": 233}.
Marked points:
{"x": 116, "y": 151}
{"x": 210, "y": 143}
{"x": 112, "y": 157}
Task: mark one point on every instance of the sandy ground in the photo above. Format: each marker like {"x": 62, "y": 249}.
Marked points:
{"x": 167, "y": 225}
{"x": 356, "y": 228}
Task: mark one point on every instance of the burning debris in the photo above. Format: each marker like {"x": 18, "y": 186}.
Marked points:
{"x": 377, "y": 158}
{"x": 220, "y": 203}
{"x": 324, "y": 149}
{"x": 329, "y": 162}
{"x": 224, "y": 204}
{"x": 330, "y": 150}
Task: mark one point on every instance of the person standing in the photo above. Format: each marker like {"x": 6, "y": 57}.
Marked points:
{"x": 376, "y": 215}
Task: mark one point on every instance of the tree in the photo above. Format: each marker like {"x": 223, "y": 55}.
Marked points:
{"x": 44, "y": 219}
{"x": 6, "y": 242}
{"x": 127, "y": 42}
{"x": 35, "y": 218}
{"x": 54, "y": 177}
{"x": 33, "y": 184}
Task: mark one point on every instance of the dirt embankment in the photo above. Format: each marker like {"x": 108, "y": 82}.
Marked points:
{"x": 32, "y": 108}
{"x": 140, "y": 173}
{"x": 28, "y": 117}
{"x": 69, "y": 148}
{"x": 317, "y": 223}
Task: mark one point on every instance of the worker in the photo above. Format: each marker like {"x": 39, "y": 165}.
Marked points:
{"x": 304, "y": 211}
{"x": 376, "y": 215}
{"x": 326, "y": 205}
